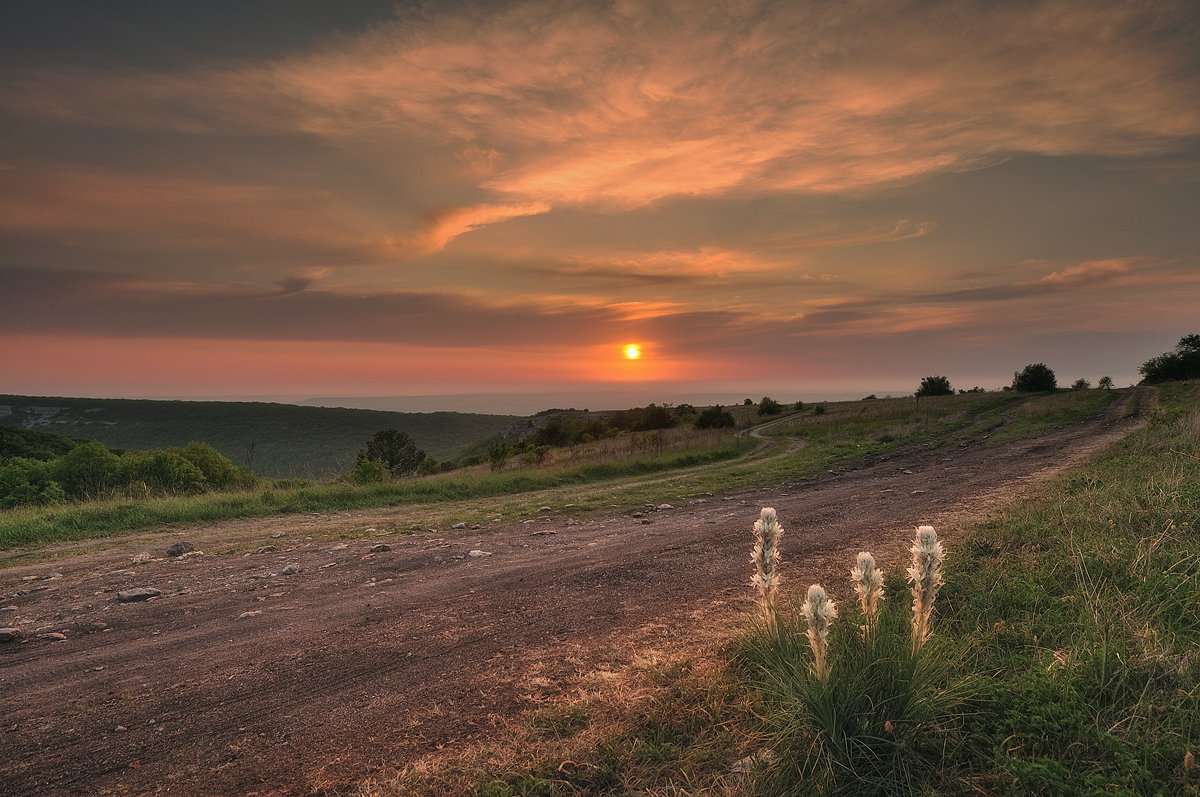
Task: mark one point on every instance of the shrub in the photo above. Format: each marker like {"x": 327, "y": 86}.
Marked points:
{"x": 935, "y": 386}
{"x": 1034, "y": 378}
{"x": 22, "y": 482}
{"x": 715, "y": 418}
{"x": 163, "y": 471}
{"x": 88, "y": 471}
{"x": 1081, "y": 384}
{"x": 498, "y": 454}
{"x": 219, "y": 472}
{"x": 769, "y": 406}
{"x": 370, "y": 471}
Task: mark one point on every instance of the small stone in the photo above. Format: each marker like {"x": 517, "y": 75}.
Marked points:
{"x": 380, "y": 548}
{"x": 545, "y": 509}
{"x": 53, "y": 636}
{"x": 8, "y": 608}
{"x": 265, "y": 549}
{"x": 478, "y": 554}
{"x": 119, "y": 574}
{"x": 247, "y": 615}
{"x": 663, "y": 507}
{"x": 189, "y": 555}
{"x": 639, "y": 514}
{"x": 276, "y": 535}
{"x": 10, "y": 634}
{"x": 646, "y": 521}
{"x": 141, "y": 558}
{"x": 137, "y": 594}
{"x": 540, "y": 532}
{"x": 459, "y": 525}
{"x": 180, "y": 548}
{"x": 475, "y": 526}
{"x": 54, "y": 576}
{"x": 339, "y": 547}
{"x": 120, "y": 729}
{"x": 415, "y": 527}
{"x": 290, "y": 570}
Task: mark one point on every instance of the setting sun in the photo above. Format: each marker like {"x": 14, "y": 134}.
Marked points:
{"x": 632, "y": 352}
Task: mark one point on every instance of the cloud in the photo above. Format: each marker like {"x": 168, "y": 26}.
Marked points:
{"x": 1128, "y": 273}
{"x": 148, "y": 215}
{"x": 577, "y": 103}
{"x": 443, "y": 226}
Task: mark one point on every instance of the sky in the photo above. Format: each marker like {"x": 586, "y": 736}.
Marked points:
{"x": 288, "y": 198}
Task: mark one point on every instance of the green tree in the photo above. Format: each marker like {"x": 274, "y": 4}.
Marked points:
{"x": 1081, "y": 384}
{"x": 1105, "y": 382}
{"x": 1034, "y": 378}
{"x": 396, "y": 450}
{"x": 935, "y": 386}
{"x": 1174, "y": 366}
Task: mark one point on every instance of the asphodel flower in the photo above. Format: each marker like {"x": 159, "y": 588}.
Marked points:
{"x": 765, "y": 557}
{"x": 819, "y": 610}
{"x": 868, "y": 584}
{"x": 925, "y": 575}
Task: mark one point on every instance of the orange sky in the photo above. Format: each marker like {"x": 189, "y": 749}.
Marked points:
{"x": 390, "y": 199}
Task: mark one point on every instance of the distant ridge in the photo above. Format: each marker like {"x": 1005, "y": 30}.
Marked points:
{"x": 275, "y": 439}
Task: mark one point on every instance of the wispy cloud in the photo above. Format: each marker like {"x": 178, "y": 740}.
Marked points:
{"x": 443, "y": 226}
{"x": 569, "y": 103}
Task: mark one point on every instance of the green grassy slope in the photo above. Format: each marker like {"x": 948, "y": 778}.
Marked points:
{"x": 274, "y": 439}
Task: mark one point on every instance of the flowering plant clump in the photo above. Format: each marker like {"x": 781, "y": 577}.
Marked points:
{"x": 818, "y": 611}
{"x": 868, "y": 584}
{"x": 925, "y": 575}
{"x": 765, "y": 557}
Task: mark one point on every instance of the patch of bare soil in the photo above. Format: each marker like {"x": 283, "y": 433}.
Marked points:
{"x": 323, "y": 662}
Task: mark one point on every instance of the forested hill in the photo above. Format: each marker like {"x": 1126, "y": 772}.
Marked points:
{"x": 273, "y": 439}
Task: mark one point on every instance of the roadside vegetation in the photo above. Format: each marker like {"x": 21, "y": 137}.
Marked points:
{"x": 1062, "y": 657}
{"x": 107, "y": 495}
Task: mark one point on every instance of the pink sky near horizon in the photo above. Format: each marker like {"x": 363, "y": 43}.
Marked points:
{"x": 489, "y": 197}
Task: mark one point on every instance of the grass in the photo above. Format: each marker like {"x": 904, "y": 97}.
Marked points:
{"x": 22, "y": 527}
{"x": 679, "y": 465}
{"x": 1065, "y": 660}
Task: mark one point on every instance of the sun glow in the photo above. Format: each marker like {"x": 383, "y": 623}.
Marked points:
{"x": 632, "y": 352}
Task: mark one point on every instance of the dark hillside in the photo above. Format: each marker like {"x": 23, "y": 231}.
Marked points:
{"x": 273, "y": 439}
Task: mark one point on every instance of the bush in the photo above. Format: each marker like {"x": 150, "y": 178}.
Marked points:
{"x": 163, "y": 471}
{"x": 219, "y": 472}
{"x": 22, "y": 482}
{"x": 1081, "y": 384}
{"x": 89, "y": 471}
{"x": 935, "y": 386}
{"x": 369, "y": 471}
{"x": 1035, "y": 378}
{"x": 769, "y": 406}
{"x": 715, "y": 418}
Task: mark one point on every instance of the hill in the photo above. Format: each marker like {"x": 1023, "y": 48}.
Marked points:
{"x": 280, "y": 440}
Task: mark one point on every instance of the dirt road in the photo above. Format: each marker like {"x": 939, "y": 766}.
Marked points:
{"x": 244, "y": 677}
